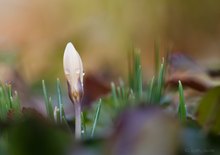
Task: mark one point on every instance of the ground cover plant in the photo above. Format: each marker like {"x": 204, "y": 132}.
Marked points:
{"x": 135, "y": 118}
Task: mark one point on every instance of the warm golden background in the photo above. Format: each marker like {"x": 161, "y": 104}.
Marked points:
{"x": 33, "y": 34}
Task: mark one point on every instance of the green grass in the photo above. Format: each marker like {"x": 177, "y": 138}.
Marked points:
{"x": 9, "y": 103}
{"x": 160, "y": 83}
{"x": 135, "y": 74}
{"x": 96, "y": 117}
{"x": 103, "y": 114}
{"x": 182, "y": 105}
{"x": 60, "y": 102}
{"x": 54, "y": 113}
{"x": 122, "y": 95}
{"x": 150, "y": 93}
{"x": 136, "y": 91}
{"x": 48, "y": 102}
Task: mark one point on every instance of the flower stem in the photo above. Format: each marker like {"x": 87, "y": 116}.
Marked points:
{"x": 77, "y": 120}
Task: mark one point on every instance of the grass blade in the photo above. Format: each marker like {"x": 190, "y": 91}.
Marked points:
{"x": 160, "y": 82}
{"x": 3, "y": 104}
{"x": 50, "y": 106}
{"x": 8, "y": 87}
{"x": 123, "y": 93}
{"x": 130, "y": 68}
{"x": 114, "y": 94}
{"x": 84, "y": 131}
{"x": 96, "y": 117}
{"x": 151, "y": 91}
{"x": 48, "y": 102}
{"x": 119, "y": 93}
{"x": 140, "y": 89}
{"x": 57, "y": 115}
{"x": 60, "y": 102}
{"x": 182, "y": 105}
{"x": 45, "y": 96}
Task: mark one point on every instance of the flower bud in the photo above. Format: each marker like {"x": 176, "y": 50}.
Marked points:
{"x": 73, "y": 70}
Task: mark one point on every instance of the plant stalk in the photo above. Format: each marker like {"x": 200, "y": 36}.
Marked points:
{"x": 78, "y": 120}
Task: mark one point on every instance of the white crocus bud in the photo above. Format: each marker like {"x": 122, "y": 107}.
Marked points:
{"x": 73, "y": 69}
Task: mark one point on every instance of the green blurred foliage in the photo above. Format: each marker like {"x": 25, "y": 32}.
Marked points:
{"x": 208, "y": 112}
{"x": 35, "y": 136}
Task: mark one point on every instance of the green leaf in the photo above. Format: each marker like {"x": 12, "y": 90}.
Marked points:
{"x": 208, "y": 111}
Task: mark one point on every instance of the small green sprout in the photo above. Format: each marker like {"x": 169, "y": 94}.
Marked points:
{"x": 182, "y": 106}
{"x": 9, "y": 103}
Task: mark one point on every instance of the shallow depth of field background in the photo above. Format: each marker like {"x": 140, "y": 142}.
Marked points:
{"x": 33, "y": 34}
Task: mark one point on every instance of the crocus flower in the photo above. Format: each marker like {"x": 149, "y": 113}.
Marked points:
{"x": 73, "y": 69}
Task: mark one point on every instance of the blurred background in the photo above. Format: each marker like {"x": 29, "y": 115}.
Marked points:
{"x": 33, "y": 35}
